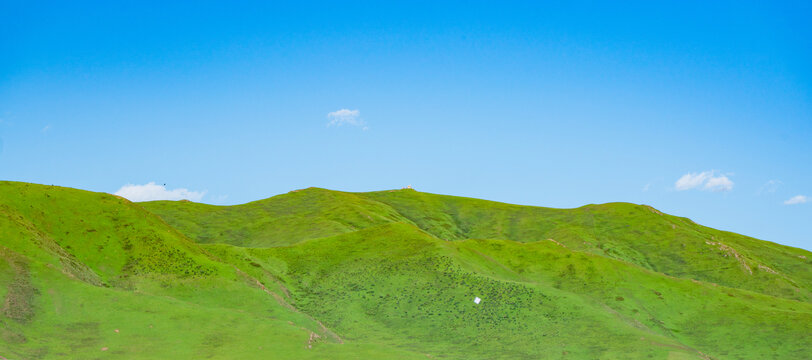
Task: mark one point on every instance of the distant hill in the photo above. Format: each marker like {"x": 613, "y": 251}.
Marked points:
{"x": 636, "y": 234}
{"x": 391, "y": 274}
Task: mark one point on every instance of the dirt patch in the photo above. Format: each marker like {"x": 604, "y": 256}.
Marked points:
{"x": 729, "y": 251}
{"x": 559, "y": 244}
{"x": 652, "y": 209}
{"x": 313, "y": 338}
{"x": 18, "y": 304}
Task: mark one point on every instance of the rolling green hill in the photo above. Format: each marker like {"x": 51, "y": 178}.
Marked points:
{"x": 636, "y": 234}
{"x": 392, "y": 274}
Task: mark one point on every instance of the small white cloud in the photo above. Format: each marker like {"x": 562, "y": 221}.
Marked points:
{"x": 46, "y": 128}
{"x": 153, "y": 191}
{"x": 706, "y": 180}
{"x": 692, "y": 180}
{"x": 770, "y": 186}
{"x": 346, "y": 116}
{"x": 720, "y": 183}
{"x": 646, "y": 187}
{"x": 797, "y": 199}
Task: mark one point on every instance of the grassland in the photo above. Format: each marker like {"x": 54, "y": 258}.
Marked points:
{"x": 325, "y": 274}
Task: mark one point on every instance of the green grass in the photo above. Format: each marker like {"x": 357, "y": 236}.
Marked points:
{"x": 75, "y": 266}
{"x": 400, "y": 285}
{"x": 281, "y": 220}
{"x": 392, "y": 274}
{"x": 637, "y": 234}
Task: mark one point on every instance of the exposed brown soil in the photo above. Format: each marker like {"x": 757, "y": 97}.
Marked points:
{"x": 732, "y": 252}
{"x": 560, "y": 244}
{"x": 18, "y": 303}
{"x": 767, "y": 269}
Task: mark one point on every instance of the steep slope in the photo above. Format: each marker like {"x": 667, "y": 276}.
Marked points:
{"x": 280, "y": 220}
{"x": 86, "y": 275}
{"x": 398, "y": 285}
{"x": 111, "y": 236}
{"x": 637, "y": 234}
{"x": 383, "y": 275}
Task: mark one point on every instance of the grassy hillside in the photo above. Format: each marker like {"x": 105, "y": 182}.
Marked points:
{"x": 637, "y": 234}
{"x": 282, "y": 220}
{"x": 87, "y": 275}
{"x": 402, "y": 286}
{"x": 324, "y": 274}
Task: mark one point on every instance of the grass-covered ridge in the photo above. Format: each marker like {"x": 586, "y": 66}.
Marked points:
{"x": 325, "y": 274}
{"x": 282, "y": 220}
{"x": 87, "y": 275}
{"x": 400, "y": 285}
{"x": 637, "y": 234}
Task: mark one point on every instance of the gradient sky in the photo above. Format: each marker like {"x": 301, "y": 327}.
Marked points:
{"x": 555, "y": 105}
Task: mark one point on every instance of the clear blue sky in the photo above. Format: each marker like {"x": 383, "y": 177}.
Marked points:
{"x": 552, "y": 105}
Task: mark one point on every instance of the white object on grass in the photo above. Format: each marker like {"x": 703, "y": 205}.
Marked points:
{"x": 477, "y": 300}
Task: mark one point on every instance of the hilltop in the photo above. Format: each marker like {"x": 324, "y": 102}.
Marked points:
{"x": 637, "y": 234}
{"x": 389, "y": 274}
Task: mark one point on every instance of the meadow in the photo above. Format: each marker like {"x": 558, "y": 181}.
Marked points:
{"x": 316, "y": 273}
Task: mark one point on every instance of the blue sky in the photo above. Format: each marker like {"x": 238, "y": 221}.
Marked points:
{"x": 701, "y": 110}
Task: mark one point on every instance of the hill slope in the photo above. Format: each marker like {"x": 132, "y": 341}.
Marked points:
{"x": 282, "y": 220}
{"x": 324, "y": 274}
{"x": 398, "y": 285}
{"x": 637, "y": 234}
{"x": 86, "y": 275}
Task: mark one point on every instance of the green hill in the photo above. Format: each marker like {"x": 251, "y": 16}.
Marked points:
{"x": 281, "y": 220}
{"x": 636, "y": 234}
{"x": 392, "y": 274}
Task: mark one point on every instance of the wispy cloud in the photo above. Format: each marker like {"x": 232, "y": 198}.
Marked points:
{"x": 647, "y": 187}
{"x": 46, "y": 128}
{"x": 152, "y": 191}
{"x": 797, "y": 199}
{"x": 706, "y": 180}
{"x": 770, "y": 187}
{"x": 346, "y": 117}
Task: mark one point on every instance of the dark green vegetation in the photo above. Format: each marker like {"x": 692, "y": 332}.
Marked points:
{"x": 392, "y": 274}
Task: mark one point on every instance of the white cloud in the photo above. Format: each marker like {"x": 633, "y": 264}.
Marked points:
{"x": 770, "y": 186}
{"x": 706, "y": 180}
{"x": 719, "y": 183}
{"x": 692, "y": 180}
{"x": 153, "y": 191}
{"x": 346, "y": 116}
{"x": 647, "y": 187}
{"x": 46, "y": 128}
{"x": 797, "y": 199}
